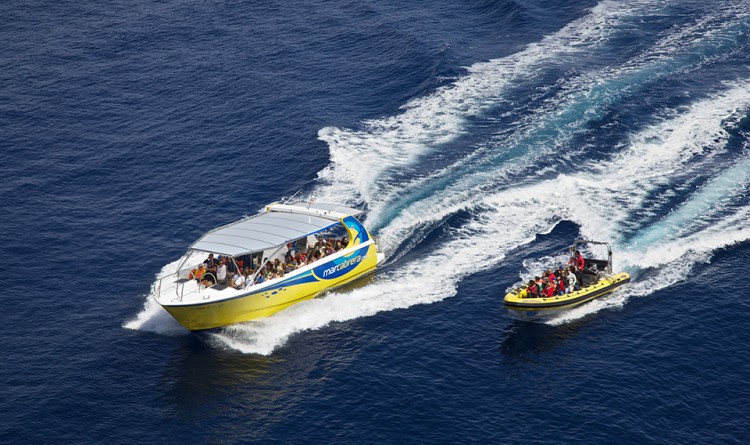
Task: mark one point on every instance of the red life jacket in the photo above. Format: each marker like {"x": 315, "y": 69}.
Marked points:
{"x": 549, "y": 291}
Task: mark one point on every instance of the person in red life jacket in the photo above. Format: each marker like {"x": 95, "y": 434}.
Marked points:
{"x": 549, "y": 289}
{"x": 532, "y": 290}
{"x": 577, "y": 260}
{"x": 561, "y": 285}
{"x": 549, "y": 274}
{"x": 300, "y": 258}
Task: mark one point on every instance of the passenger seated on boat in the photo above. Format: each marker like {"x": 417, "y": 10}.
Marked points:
{"x": 532, "y": 290}
{"x": 221, "y": 272}
{"x": 539, "y": 284}
{"x": 198, "y": 272}
{"x": 239, "y": 281}
{"x": 208, "y": 279}
{"x": 290, "y": 266}
{"x": 210, "y": 261}
{"x": 573, "y": 278}
{"x": 549, "y": 288}
{"x": 570, "y": 280}
{"x": 300, "y": 259}
{"x": 315, "y": 255}
{"x": 560, "y": 285}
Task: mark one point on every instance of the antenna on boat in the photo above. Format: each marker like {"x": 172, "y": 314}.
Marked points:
{"x": 287, "y": 201}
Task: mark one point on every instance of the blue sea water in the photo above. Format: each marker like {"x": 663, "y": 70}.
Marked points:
{"x": 481, "y": 136}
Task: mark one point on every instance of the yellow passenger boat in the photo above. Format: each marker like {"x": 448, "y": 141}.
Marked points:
{"x": 200, "y": 297}
{"x": 597, "y": 280}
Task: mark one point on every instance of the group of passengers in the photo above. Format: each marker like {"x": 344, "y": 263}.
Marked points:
{"x": 560, "y": 282}
{"x": 249, "y": 270}
{"x": 212, "y": 270}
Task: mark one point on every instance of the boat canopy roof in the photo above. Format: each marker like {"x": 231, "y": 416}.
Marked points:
{"x": 276, "y": 225}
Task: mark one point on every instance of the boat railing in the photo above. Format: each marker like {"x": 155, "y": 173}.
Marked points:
{"x": 378, "y": 248}
{"x": 179, "y": 285}
{"x": 156, "y": 286}
{"x": 181, "y": 291}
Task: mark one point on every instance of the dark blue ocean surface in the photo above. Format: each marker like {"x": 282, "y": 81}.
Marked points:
{"x": 482, "y": 137}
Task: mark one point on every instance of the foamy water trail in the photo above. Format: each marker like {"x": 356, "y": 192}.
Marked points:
{"x": 550, "y": 127}
{"x": 360, "y": 159}
{"x": 654, "y": 156}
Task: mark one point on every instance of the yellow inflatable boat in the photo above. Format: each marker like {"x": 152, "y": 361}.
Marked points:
{"x": 597, "y": 279}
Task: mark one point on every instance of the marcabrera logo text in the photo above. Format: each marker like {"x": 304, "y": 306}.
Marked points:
{"x": 342, "y": 265}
